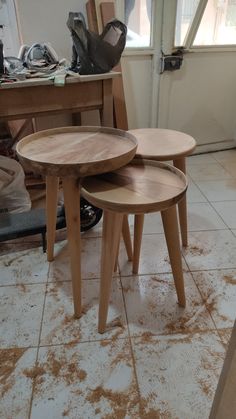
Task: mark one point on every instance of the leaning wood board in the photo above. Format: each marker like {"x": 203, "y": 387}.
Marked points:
{"x": 105, "y": 11}
{"x": 107, "y": 14}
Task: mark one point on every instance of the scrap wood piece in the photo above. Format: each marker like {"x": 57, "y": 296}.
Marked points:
{"x": 107, "y": 10}
{"x": 103, "y": 12}
{"x": 92, "y": 16}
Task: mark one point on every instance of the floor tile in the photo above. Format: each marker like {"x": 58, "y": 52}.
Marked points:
{"x": 151, "y": 306}
{"x": 27, "y": 266}
{"x": 153, "y": 259}
{"x": 218, "y": 289}
{"x": 89, "y": 380}
{"x": 220, "y": 190}
{"x": 201, "y": 216}
{"x": 178, "y": 375}
{"x": 152, "y": 223}
{"x": 211, "y": 250}
{"x": 225, "y": 335}
{"x": 59, "y": 324}
{"x": 200, "y": 159}
{"x": 225, "y": 156}
{"x": 16, "y": 382}
{"x": 194, "y": 194}
{"x": 230, "y": 167}
{"x": 212, "y": 171}
{"x": 227, "y": 211}
{"x": 90, "y": 260}
{"x": 20, "y": 314}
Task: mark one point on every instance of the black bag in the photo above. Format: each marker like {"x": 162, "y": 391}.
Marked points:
{"x": 92, "y": 53}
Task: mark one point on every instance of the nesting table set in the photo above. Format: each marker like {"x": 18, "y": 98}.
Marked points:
{"x": 98, "y": 161}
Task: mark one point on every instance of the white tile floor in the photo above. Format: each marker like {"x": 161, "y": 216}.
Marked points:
{"x": 156, "y": 360}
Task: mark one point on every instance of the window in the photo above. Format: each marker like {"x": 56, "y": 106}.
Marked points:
{"x": 205, "y": 23}
{"x": 8, "y": 28}
{"x": 218, "y": 24}
{"x": 138, "y": 18}
{"x": 186, "y": 10}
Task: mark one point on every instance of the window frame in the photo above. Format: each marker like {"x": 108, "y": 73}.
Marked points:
{"x": 140, "y": 50}
{"x": 191, "y": 34}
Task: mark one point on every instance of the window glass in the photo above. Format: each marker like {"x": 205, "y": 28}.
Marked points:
{"x": 218, "y": 24}
{"x": 138, "y": 20}
{"x": 185, "y": 12}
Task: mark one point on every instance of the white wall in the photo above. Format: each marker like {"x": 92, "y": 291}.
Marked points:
{"x": 200, "y": 98}
{"x": 45, "y": 21}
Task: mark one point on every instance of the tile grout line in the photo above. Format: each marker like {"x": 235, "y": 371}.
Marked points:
{"x": 132, "y": 353}
{"x": 213, "y": 321}
{"x": 38, "y": 347}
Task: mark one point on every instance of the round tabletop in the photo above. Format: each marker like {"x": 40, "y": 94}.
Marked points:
{"x": 141, "y": 186}
{"x": 77, "y": 151}
{"x": 163, "y": 144}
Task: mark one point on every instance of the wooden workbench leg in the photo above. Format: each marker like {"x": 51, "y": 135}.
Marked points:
{"x": 112, "y": 224}
{"x": 107, "y": 111}
{"x": 182, "y": 206}
{"x": 170, "y": 224}
{"x": 52, "y": 184}
{"x": 72, "y": 210}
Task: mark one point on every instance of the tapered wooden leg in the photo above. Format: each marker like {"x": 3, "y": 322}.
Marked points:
{"x": 138, "y": 232}
{"x": 170, "y": 224}
{"x": 112, "y": 224}
{"x": 182, "y": 206}
{"x": 72, "y": 210}
{"x": 127, "y": 241}
{"x": 52, "y": 184}
{"x": 126, "y": 237}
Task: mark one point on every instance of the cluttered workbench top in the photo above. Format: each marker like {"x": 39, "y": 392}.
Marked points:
{"x": 50, "y": 81}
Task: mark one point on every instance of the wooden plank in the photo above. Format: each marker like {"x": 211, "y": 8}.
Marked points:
{"x": 121, "y": 120}
{"x": 224, "y": 404}
{"x": 92, "y": 16}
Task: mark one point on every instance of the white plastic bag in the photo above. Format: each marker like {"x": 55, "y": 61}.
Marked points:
{"x": 13, "y": 194}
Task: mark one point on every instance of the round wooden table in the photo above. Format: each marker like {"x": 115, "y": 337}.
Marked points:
{"x": 71, "y": 153}
{"x": 163, "y": 145}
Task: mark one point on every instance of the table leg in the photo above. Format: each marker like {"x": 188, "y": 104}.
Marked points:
{"x": 72, "y": 210}
{"x": 182, "y": 205}
{"x": 52, "y": 184}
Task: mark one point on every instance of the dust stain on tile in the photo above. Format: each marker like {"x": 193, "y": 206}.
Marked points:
{"x": 8, "y": 361}
{"x": 229, "y": 279}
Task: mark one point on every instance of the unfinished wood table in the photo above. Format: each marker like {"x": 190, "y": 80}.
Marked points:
{"x": 71, "y": 153}
{"x": 163, "y": 145}
{"x": 39, "y": 97}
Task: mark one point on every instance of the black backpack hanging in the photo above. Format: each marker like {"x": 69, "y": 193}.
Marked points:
{"x": 92, "y": 53}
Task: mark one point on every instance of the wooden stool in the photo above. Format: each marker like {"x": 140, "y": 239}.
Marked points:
{"x": 140, "y": 187}
{"x": 161, "y": 145}
{"x": 71, "y": 153}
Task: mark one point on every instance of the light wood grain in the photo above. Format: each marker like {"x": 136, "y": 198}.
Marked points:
{"x": 141, "y": 186}
{"x": 77, "y": 151}
{"x": 72, "y": 210}
{"x": 182, "y": 205}
{"x": 163, "y": 144}
{"x": 112, "y": 223}
{"x": 52, "y": 185}
{"x": 224, "y": 404}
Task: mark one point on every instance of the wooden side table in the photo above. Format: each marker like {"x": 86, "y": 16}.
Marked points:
{"x": 71, "y": 153}
{"x": 163, "y": 145}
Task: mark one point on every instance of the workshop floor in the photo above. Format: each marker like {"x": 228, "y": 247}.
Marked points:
{"x": 156, "y": 360}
